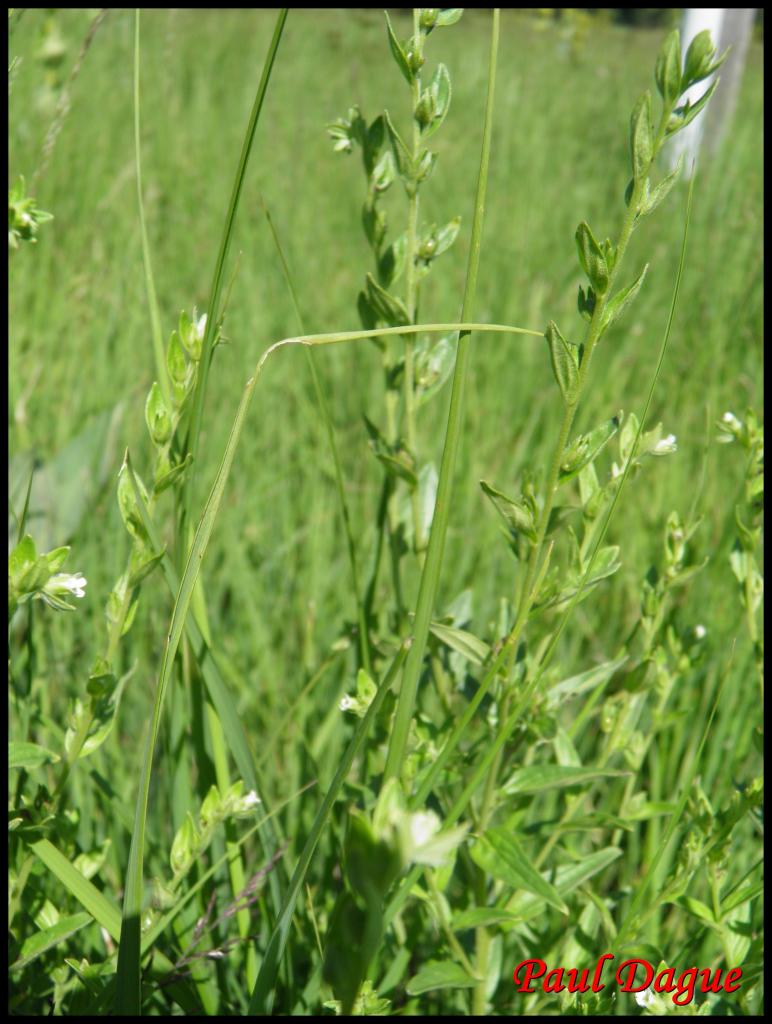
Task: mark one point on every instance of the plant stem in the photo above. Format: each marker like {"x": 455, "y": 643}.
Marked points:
{"x": 152, "y": 300}
{"x": 431, "y": 571}
{"x": 410, "y": 271}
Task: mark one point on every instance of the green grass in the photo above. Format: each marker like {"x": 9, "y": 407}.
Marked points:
{"x": 276, "y": 573}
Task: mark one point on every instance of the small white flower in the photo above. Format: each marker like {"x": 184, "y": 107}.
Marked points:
{"x": 645, "y": 998}
{"x": 615, "y": 471}
{"x": 423, "y": 826}
{"x": 201, "y": 327}
{"x": 75, "y": 583}
{"x": 251, "y": 799}
{"x": 731, "y": 421}
{"x": 346, "y": 703}
{"x": 700, "y": 632}
{"x": 665, "y": 446}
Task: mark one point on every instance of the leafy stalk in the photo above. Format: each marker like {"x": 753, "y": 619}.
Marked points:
{"x": 431, "y": 571}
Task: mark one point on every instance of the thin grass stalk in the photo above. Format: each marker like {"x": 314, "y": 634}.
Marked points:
{"x": 431, "y": 571}
{"x": 152, "y": 298}
{"x": 219, "y": 267}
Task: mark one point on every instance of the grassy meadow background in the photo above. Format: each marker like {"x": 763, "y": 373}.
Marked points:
{"x": 276, "y": 574}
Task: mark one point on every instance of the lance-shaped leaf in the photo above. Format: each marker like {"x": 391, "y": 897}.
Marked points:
{"x": 500, "y": 855}
{"x": 439, "y": 974}
{"x": 565, "y": 362}
{"x": 395, "y": 458}
{"x": 668, "y": 68}
{"x": 446, "y": 236}
{"x": 585, "y": 448}
{"x": 440, "y": 91}
{"x": 591, "y": 258}
{"x": 686, "y": 114}
{"x": 516, "y": 514}
{"x": 391, "y": 264}
{"x": 700, "y": 60}
{"x": 387, "y": 307}
{"x": 401, "y": 152}
{"x": 616, "y": 306}
{"x": 653, "y": 197}
{"x": 641, "y": 132}
{"x": 448, "y": 16}
{"x": 398, "y": 53}
{"x": 466, "y": 644}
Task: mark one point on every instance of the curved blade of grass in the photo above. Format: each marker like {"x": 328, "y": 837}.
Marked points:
{"x": 431, "y": 570}
{"x": 219, "y": 267}
{"x": 261, "y": 1001}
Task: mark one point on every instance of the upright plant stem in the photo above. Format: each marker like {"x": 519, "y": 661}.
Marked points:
{"x": 219, "y": 267}
{"x": 152, "y": 299}
{"x": 411, "y": 298}
{"x": 431, "y": 571}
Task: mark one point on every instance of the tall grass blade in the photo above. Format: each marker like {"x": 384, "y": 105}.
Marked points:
{"x": 219, "y": 267}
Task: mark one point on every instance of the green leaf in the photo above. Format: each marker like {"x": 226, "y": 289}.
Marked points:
{"x": 446, "y": 236}
{"x": 29, "y": 755}
{"x": 591, "y": 258}
{"x": 391, "y": 264}
{"x": 433, "y": 366}
{"x": 565, "y": 362}
{"x": 173, "y": 476}
{"x": 566, "y": 878}
{"x": 686, "y": 114}
{"x": 652, "y": 198}
{"x": 619, "y": 303}
{"x": 176, "y": 363}
{"x": 128, "y": 505}
{"x": 500, "y": 855}
{"x": 89, "y": 897}
{"x": 576, "y": 685}
{"x": 440, "y": 91}
{"x": 700, "y": 60}
{"x": 641, "y": 141}
{"x": 401, "y": 152}
{"x": 668, "y": 68}
{"x": 448, "y": 16}
{"x": 481, "y": 917}
{"x": 466, "y": 644}
{"x": 398, "y": 53}
{"x": 537, "y": 778}
{"x": 439, "y": 974}
{"x": 388, "y": 308}
{"x": 516, "y": 514}
{"x": 395, "y": 458}
{"x": 585, "y": 448}
{"x": 49, "y": 938}
{"x": 384, "y": 171}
